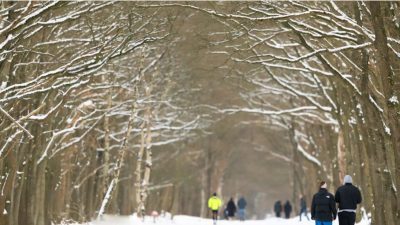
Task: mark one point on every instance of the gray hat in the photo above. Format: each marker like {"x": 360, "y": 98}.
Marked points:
{"x": 348, "y": 179}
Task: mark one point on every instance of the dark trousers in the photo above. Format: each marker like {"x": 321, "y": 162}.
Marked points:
{"x": 215, "y": 214}
{"x": 347, "y": 218}
{"x": 287, "y": 215}
{"x": 278, "y": 214}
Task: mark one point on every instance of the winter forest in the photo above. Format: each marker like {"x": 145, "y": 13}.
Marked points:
{"x": 128, "y": 107}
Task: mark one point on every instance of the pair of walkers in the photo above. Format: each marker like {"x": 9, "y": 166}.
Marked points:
{"x": 323, "y": 207}
{"x": 287, "y": 208}
{"x": 214, "y": 203}
{"x": 278, "y": 208}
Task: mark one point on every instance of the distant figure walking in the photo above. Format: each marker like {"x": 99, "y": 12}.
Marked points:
{"x": 288, "y": 209}
{"x": 303, "y": 206}
{"x": 323, "y": 206}
{"x": 242, "y": 208}
{"x": 348, "y": 196}
{"x": 231, "y": 209}
{"x": 278, "y": 208}
{"x": 226, "y": 213}
{"x": 214, "y": 203}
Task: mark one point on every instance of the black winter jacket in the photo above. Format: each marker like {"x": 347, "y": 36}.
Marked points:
{"x": 323, "y": 206}
{"x": 278, "y": 207}
{"x": 303, "y": 204}
{"x": 348, "y": 196}
{"x": 287, "y": 207}
{"x": 242, "y": 203}
{"x": 231, "y": 208}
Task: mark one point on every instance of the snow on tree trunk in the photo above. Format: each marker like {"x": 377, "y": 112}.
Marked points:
{"x": 341, "y": 153}
{"x": 107, "y": 143}
{"x": 121, "y": 155}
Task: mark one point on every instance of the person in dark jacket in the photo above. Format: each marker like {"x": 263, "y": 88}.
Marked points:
{"x": 231, "y": 209}
{"x": 348, "y": 197}
{"x": 288, "y": 209}
{"x": 278, "y": 208}
{"x": 323, "y": 208}
{"x": 242, "y": 208}
{"x": 303, "y": 207}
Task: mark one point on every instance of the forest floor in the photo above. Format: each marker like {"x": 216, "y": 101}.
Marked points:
{"x": 188, "y": 220}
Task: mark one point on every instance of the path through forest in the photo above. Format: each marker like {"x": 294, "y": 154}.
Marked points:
{"x": 189, "y": 220}
{"x": 133, "y": 106}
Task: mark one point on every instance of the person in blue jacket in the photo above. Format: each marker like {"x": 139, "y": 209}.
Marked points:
{"x": 242, "y": 208}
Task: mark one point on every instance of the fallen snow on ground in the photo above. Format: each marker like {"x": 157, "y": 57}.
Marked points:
{"x": 189, "y": 220}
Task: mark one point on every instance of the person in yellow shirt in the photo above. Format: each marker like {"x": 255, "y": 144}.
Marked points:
{"x": 214, "y": 203}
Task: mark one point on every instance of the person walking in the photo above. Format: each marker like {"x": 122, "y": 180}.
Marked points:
{"x": 323, "y": 208}
{"x": 303, "y": 207}
{"x": 242, "y": 208}
{"x": 214, "y": 203}
{"x": 226, "y": 213}
{"x": 278, "y": 208}
{"x": 287, "y": 208}
{"x": 348, "y": 197}
{"x": 231, "y": 209}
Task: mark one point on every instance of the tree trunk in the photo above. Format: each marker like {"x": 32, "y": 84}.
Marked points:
{"x": 148, "y": 164}
{"x": 138, "y": 185}
{"x": 203, "y": 205}
{"x": 41, "y": 190}
{"x": 89, "y": 198}
{"x": 106, "y": 144}
{"x": 387, "y": 80}
{"x": 341, "y": 153}
{"x": 122, "y": 151}
{"x": 8, "y": 182}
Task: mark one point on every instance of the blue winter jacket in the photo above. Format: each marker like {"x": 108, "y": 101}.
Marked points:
{"x": 242, "y": 203}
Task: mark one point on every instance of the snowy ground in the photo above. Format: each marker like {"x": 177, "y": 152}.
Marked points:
{"x": 188, "y": 220}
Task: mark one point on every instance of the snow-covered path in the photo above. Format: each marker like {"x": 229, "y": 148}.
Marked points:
{"x": 188, "y": 220}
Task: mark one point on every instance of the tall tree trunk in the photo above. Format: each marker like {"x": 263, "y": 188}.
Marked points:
{"x": 8, "y": 182}
{"x": 121, "y": 156}
{"x": 341, "y": 154}
{"x": 89, "y": 198}
{"x": 387, "y": 80}
{"x": 138, "y": 185}
{"x": 148, "y": 165}
{"x": 32, "y": 183}
{"x": 203, "y": 205}
{"x": 17, "y": 198}
{"x": 124, "y": 190}
{"x": 41, "y": 190}
{"x": 106, "y": 144}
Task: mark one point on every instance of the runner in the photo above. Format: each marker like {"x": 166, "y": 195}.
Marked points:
{"x": 214, "y": 203}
